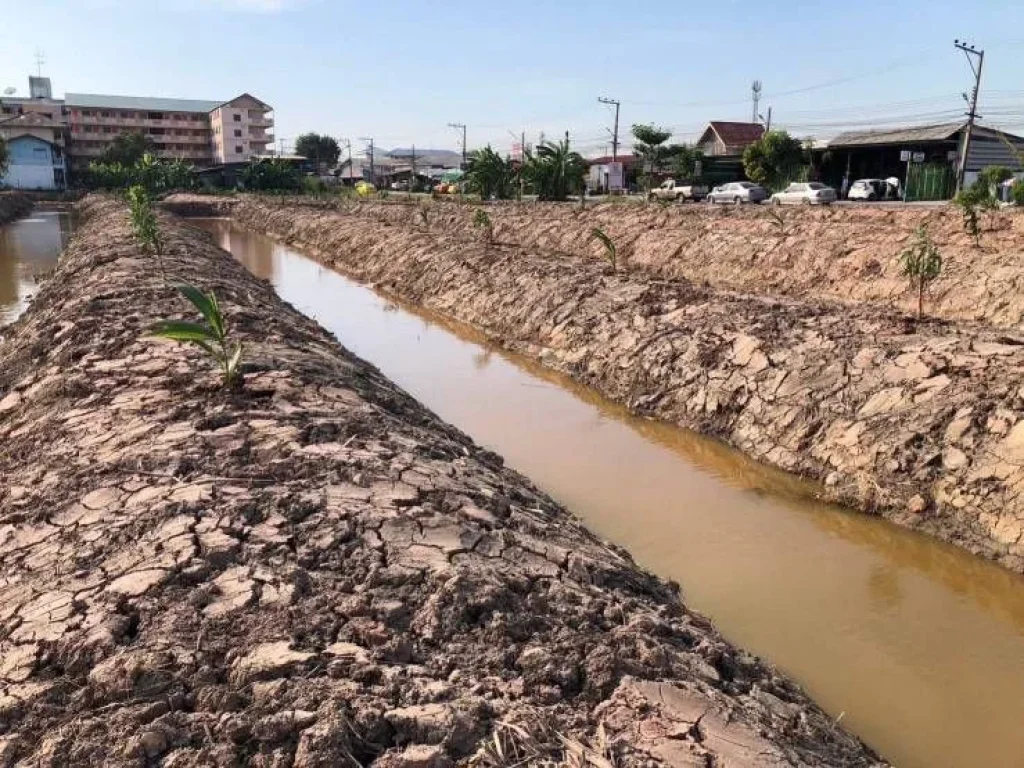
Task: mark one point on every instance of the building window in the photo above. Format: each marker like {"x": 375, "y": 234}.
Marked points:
{"x": 239, "y": 149}
{"x": 238, "y": 133}
{"x": 104, "y": 114}
{"x": 155, "y": 116}
{"x": 236, "y": 117}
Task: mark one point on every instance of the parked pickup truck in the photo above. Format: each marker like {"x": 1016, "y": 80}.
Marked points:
{"x": 674, "y": 190}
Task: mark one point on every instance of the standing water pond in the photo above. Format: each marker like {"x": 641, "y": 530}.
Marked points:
{"x": 916, "y": 645}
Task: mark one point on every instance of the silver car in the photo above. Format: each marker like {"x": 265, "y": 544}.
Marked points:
{"x": 805, "y": 193}
{"x": 738, "y": 192}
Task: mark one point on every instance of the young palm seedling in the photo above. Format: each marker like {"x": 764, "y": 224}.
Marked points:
{"x": 211, "y": 336}
{"x": 610, "y": 251}
{"x": 778, "y": 220}
{"x": 922, "y": 263}
{"x": 144, "y": 224}
{"x": 482, "y": 221}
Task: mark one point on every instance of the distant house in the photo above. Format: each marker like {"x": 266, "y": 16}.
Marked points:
{"x": 724, "y": 138}
{"x": 36, "y": 146}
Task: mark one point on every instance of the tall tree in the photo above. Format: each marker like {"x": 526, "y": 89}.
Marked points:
{"x": 490, "y": 175}
{"x": 5, "y": 156}
{"x": 127, "y": 149}
{"x": 322, "y": 150}
{"x": 773, "y": 159}
{"x": 650, "y": 148}
{"x": 554, "y": 170}
{"x": 683, "y": 160}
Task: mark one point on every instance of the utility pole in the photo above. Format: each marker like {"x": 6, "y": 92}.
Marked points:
{"x": 412, "y": 177}
{"x": 971, "y": 53}
{"x": 373, "y": 173}
{"x": 767, "y": 122}
{"x": 462, "y": 126}
{"x": 615, "y": 132}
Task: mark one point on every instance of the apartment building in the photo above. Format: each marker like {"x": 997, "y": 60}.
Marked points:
{"x": 241, "y": 129}
{"x": 200, "y": 132}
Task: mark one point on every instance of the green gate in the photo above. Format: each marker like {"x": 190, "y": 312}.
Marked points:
{"x": 930, "y": 181}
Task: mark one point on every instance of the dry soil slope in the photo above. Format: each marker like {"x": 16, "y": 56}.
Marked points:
{"x": 924, "y": 422}
{"x": 315, "y": 571}
{"x": 838, "y": 253}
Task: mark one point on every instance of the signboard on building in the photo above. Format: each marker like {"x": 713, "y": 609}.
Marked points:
{"x": 918, "y": 157}
{"x": 614, "y": 177}
{"x": 904, "y": 155}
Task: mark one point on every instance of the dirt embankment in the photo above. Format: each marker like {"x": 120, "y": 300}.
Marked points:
{"x": 13, "y": 205}
{"x": 839, "y": 253}
{"x": 315, "y": 571}
{"x": 920, "y": 421}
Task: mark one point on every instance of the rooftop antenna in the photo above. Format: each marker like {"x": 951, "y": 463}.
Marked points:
{"x": 40, "y": 60}
{"x": 755, "y": 90}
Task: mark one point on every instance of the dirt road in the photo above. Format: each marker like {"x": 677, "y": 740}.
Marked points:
{"x": 315, "y": 570}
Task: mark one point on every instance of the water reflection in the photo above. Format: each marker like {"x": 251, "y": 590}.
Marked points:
{"x": 919, "y": 643}
{"x": 29, "y": 248}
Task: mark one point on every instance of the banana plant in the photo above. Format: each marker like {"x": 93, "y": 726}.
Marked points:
{"x": 211, "y": 336}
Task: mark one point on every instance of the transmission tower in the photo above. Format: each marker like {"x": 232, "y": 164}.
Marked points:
{"x": 755, "y": 91}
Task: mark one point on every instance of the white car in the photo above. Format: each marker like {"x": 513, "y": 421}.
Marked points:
{"x": 805, "y": 193}
{"x": 873, "y": 189}
{"x": 737, "y": 192}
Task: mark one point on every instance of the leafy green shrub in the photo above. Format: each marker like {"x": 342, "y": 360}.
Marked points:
{"x": 1017, "y": 192}
{"x": 156, "y": 176}
{"x": 922, "y": 263}
{"x": 271, "y": 175}
{"x": 211, "y": 336}
{"x": 610, "y": 251}
{"x": 971, "y": 202}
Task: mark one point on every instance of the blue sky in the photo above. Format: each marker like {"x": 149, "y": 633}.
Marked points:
{"x": 401, "y": 71}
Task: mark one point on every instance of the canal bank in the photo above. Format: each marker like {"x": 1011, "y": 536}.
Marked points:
{"x": 13, "y": 205}
{"x": 895, "y": 633}
{"x": 315, "y": 569}
{"x": 919, "y": 421}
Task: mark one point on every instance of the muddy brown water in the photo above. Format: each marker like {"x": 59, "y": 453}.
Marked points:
{"x": 916, "y": 645}
{"x": 29, "y": 248}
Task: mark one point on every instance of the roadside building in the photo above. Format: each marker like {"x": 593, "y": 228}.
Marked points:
{"x": 604, "y": 175}
{"x": 726, "y": 139}
{"x": 933, "y": 150}
{"x": 36, "y": 147}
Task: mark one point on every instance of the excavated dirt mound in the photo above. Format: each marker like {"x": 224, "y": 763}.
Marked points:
{"x": 13, "y": 205}
{"x": 923, "y": 421}
{"x": 837, "y": 253}
{"x": 315, "y": 570}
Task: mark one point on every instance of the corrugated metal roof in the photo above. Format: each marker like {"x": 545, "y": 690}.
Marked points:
{"x": 941, "y": 132}
{"x": 142, "y": 103}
